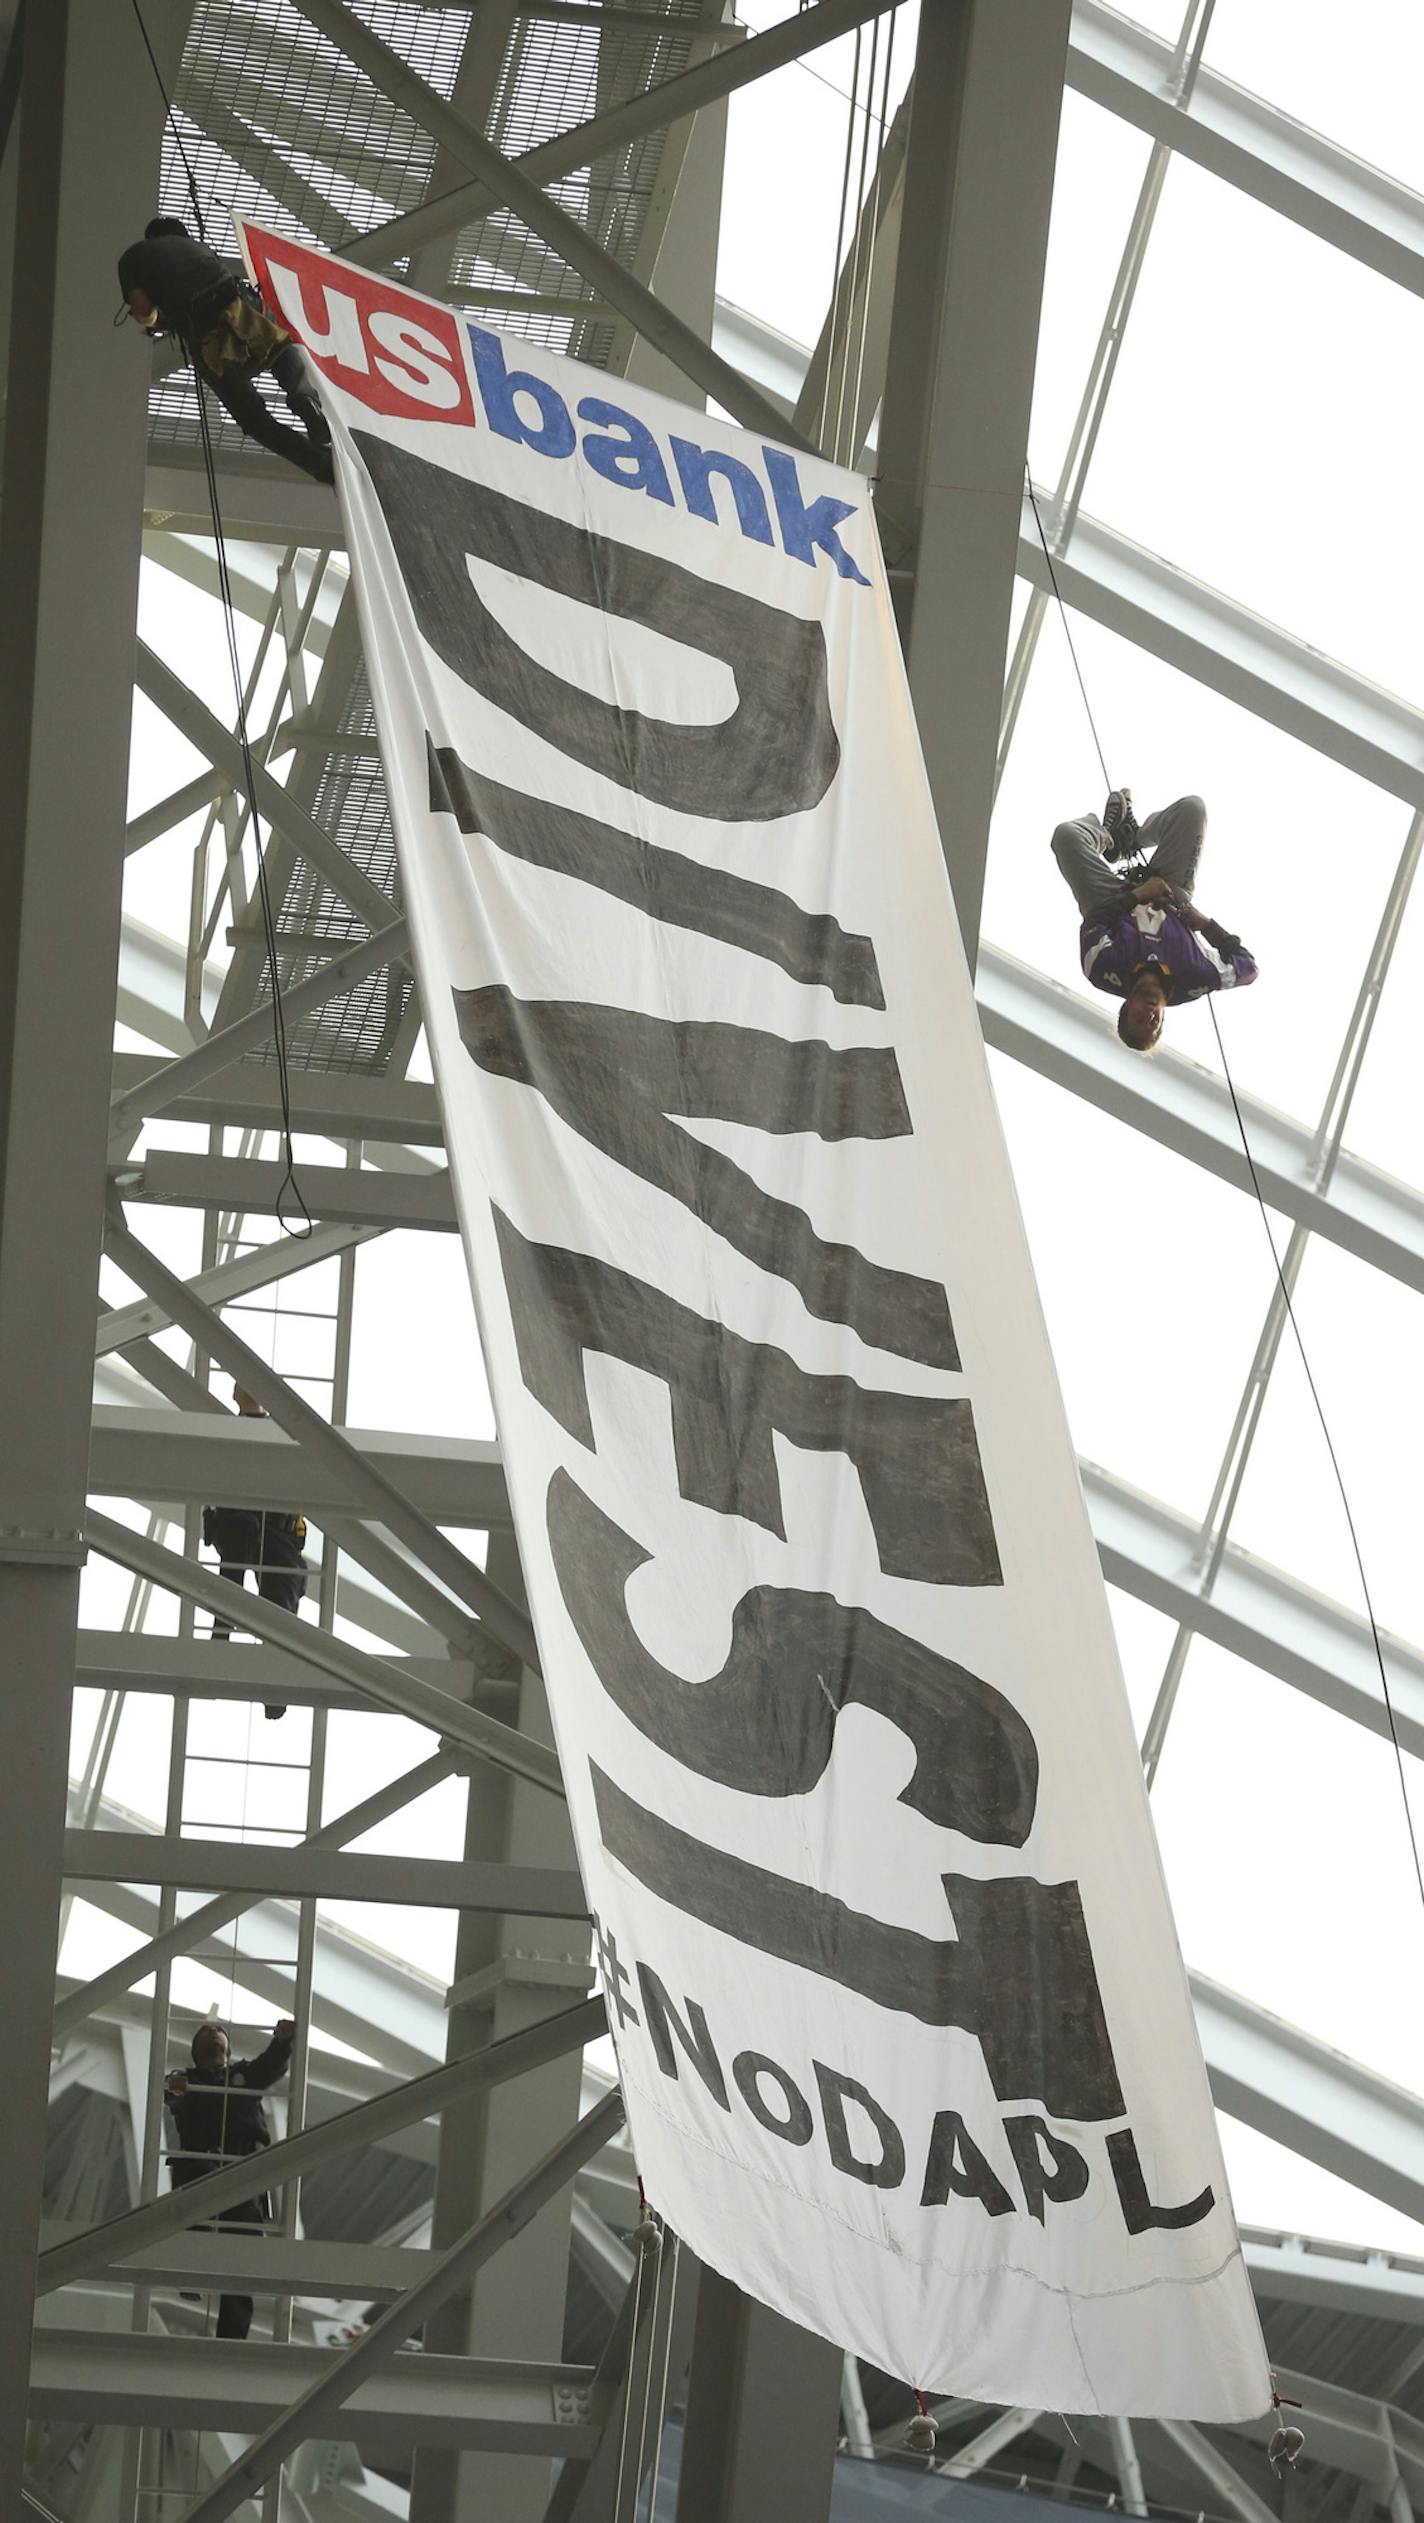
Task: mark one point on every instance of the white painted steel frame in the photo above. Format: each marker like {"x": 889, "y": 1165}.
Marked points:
{"x": 1256, "y": 2062}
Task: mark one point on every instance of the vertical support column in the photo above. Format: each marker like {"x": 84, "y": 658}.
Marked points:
{"x": 684, "y": 270}
{"x": 763, "y": 2410}
{"x": 959, "y": 384}
{"x": 513, "y": 1972}
{"x": 71, "y": 503}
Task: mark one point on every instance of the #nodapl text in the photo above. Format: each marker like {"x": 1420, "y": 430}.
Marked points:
{"x": 1038, "y": 2167}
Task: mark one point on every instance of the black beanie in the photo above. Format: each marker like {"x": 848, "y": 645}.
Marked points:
{"x": 165, "y": 228}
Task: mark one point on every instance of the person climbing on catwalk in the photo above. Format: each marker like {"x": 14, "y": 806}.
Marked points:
{"x": 173, "y": 284}
{"x": 216, "y": 2106}
{"x": 268, "y": 1540}
{"x": 1142, "y": 936}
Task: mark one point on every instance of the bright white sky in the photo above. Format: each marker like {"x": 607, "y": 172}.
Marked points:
{"x": 1262, "y": 435}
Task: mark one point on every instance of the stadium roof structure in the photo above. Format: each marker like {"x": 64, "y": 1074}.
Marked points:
{"x": 1122, "y": 250}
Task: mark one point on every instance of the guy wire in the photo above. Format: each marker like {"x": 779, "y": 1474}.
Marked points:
{"x": 1352, "y": 1529}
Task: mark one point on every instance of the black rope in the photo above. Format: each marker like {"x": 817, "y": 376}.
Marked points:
{"x": 289, "y": 1183}
{"x": 172, "y": 120}
{"x": 1330, "y": 1450}
{"x": 1350, "y": 1525}
{"x": 1063, "y": 616}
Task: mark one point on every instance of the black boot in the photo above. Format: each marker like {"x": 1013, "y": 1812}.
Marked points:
{"x": 1120, "y": 825}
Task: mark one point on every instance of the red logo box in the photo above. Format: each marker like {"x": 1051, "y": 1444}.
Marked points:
{"x": 394, "y": 351}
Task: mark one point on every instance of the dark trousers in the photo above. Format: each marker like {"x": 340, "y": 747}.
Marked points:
{"x": 246, "y": 1537}
{"x": 265, "y": 1542}
{"x": 236, "y": 390}
{"x": 1170, "y": 841}
{"x": 235, "y": 2311}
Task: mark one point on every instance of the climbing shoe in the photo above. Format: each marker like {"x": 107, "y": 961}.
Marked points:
{"x": 1120, "y": 824}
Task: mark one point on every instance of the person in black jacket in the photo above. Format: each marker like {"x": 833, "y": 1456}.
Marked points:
{"x": 173, "y": 284}
{"x": 268, "y": 1540}
{"x": 217, "y": 2110}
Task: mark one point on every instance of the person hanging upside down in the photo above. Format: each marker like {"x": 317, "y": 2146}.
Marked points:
{"x": 173, "y": 284}
{"x": 1142, "y": 937}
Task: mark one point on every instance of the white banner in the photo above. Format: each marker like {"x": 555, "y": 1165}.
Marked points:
{"x": 901, "y": 2021}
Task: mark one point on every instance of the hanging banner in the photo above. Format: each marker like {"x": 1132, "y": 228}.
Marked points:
{"x": 901, "y": 2021}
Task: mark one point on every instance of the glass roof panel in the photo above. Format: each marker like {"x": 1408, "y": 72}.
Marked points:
{"x": 1144, "y": 1642}
{"x": 1160, "y": 17}
{"x": 1096, "y": 183}
{"x": 1128, "y": 1239}
{"x": 1288, "y": 1861}
{"x": 415, "y": 1349}
{"x": 787, "y": 140}
{"x": 1359, "y": 79}
{"x": 1272, "y": 2187}
{"x": 1364, "y": 1337}
{"x": 1386, "y": 1119}
{"x": 1241, "y": 448}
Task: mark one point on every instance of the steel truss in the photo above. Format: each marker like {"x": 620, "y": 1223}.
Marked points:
{"x": 976, "y": 207}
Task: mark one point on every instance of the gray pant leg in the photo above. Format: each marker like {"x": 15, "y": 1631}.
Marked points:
{"x": 1098, "y": 891}
{"x": 1174, "y": 837}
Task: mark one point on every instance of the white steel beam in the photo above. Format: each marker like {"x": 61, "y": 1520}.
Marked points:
{"x": 1250, "y": 144}
{"x": 263, "y": 500}
{"x": 84, "y": 162}
{"x": 1220, "y": 2474}
{"x": 368, "y": 1490}
{"x": 278, "y": 808}
{"x": 1335, "y": 2277}
{"x": 388, "y": 2016}
{"x": 391, "y": 1563}
{"x": 207, "y": 2197}
{"x": 388, "y": 1683}
{"x": 984, "y": 2448}
{"x": 332, "y": 2391}
{"x": 1310, "y": 2098}
{"x": 105, "y": 2378}
{"x": 736, "y": 63}
{"x": 215, "y": 1669}
{"x": 228, "y": 1281}
{"x": 1219, "y": 643}
{"x": 327, "y": 1102}
{"x": 1255, "y": 1610}
{"x": 197, "y": 1926}
{"x": 174, "y": 809}
{"x": 253, "y": 574}
{"x": 162, "y": 1456}
{"x": 153, "y": 981}
{"x": 1187, "y": 1108}
{"x": 1127, "y": 2466}
{"x": 252, "y": 1187}
{"x": 511, "y": 187}
{"x": 258, "y": 2264}
{"x": 840, "y": 395}
{"x": 164, "y": 1087}
{"x": 1151, "y": 1550}
{"x": 326, "y": 1874}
